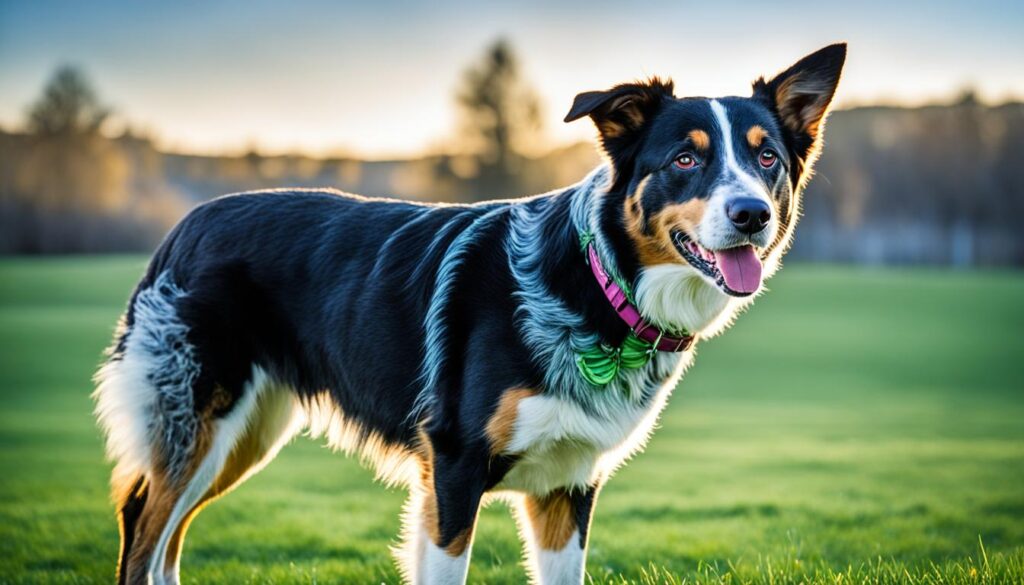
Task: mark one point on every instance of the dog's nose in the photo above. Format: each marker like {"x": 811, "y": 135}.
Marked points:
{"x": 748, "y": 214}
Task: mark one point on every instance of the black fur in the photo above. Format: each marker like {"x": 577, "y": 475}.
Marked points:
{"x": 332, "y": 293}
{"x": 583, "y": 510}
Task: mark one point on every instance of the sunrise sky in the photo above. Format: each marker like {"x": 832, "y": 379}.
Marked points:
{"x": 377, "y": 78}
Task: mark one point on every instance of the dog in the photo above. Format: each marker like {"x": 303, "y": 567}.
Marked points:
{"x": 520, "y": 349}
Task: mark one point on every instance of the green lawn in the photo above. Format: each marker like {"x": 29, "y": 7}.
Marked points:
{"x": 856, "y": 425}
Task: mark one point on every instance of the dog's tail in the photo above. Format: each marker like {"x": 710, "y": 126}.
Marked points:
{"x": 144, "y": 394}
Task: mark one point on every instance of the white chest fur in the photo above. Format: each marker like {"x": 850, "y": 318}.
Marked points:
{"x": 561, "y": 443}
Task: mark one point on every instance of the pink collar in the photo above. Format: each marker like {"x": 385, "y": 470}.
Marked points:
{"x": 629, "y": 313}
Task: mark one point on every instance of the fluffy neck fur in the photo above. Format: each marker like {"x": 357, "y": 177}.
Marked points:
{"x": 672, "y": 296}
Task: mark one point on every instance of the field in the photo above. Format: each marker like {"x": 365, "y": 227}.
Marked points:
{"x": 855, "y": 426}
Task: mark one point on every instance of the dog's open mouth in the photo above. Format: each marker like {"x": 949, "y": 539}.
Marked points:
{"x": 737, "y": 271}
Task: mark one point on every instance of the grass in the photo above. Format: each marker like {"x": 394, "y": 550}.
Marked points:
{"x": 855, "y": 426}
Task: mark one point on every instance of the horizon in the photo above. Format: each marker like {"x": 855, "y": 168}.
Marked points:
{"x": 247, "y": 149}
{"x": 315, "y": 81}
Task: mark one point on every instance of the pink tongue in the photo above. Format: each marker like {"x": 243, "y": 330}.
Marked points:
{"x": 741, "y": 268}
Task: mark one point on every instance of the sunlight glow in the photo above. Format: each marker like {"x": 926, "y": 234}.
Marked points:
{"x": 334, "y": 80}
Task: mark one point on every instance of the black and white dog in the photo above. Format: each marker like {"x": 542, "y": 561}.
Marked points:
{"x": 521, "y": 348}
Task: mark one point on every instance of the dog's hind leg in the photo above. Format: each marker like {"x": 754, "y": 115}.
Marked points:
{"x": 276, "y": 418}
{"x": 172, "y": 451}
{"x": 174, "y": 487}
{"x": 227, "y": 448}
{"x": 233, "y": 447}
{"x": 129, "y": 510}
{"x": 145, "y": 404}
{"x": 139, "y": 546}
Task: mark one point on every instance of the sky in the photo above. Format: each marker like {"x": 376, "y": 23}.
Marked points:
{"x": 377, "y": 78}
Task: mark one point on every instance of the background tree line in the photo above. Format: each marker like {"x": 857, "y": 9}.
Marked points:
{"x": 940, "y": 184}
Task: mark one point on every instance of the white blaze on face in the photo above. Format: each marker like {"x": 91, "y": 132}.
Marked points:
{"x": 734, "y": 251}
{"x": 716, "y": 231}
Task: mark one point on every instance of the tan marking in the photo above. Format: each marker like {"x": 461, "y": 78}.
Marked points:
{"x": 160, "y": 502}
{"x": 248, "y": 451}
{"x": 653, "y": 238}
{"x": 552, "y": 519}
{"x": 700, "y": 139}
{"x": 220, "y": 401}
{"x": 429, "y": 515}
{"x": 629, "y": 112}
{"x": 424, "y": 452}
{"x": 502, "y": 423}
{"x": 121, "y": 496}
{"x": 756, "y": 136}
{"x": 121, "y": 488}
{"x": 428, "y": 507}
{"x": 431, "y": 522}
{"x": 790, "y": 116}
{"x": 460, "y": 543}
{"x": 610, "y": 129}
{"x": 163, "y": 492}
{"x": 649, "y": 250}
{"x": 633, "y": 113}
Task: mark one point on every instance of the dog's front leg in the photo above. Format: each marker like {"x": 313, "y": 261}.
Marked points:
{"x": 555, "y": 527}
{"x": 441, "y": 518}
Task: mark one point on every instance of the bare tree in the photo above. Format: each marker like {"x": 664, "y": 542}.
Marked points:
{"x": 501, "y": 114}
{"x": 68, "y": 106}
{"x": 70, "y": 187}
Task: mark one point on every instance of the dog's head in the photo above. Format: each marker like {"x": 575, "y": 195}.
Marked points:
{"x": 712, "y": 185}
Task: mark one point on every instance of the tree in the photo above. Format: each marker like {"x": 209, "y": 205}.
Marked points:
{"x": 70, "y": 188}
{"x": 68, "y": 106}
{"x": 501, "y": 115}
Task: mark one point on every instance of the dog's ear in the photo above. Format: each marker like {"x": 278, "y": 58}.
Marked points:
{"x": 800, "y": 96}
{"x": 623, "y": 108}
{"x": 620, "y": 114}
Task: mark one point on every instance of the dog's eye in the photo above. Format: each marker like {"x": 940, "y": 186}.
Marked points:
{"x": 686, "y": 161}
{"x": 768, "y": 158}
